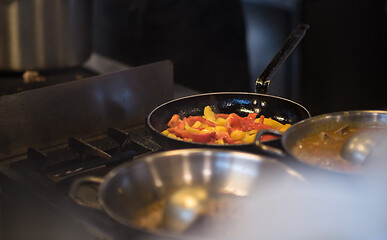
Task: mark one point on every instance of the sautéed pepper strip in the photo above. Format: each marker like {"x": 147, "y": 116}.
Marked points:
{"x": 221, "y": 128}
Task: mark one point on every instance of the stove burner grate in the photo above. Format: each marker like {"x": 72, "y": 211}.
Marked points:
{"x": 82, "y": 157}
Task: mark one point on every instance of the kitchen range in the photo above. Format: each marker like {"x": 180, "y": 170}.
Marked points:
{"x": 53, "y": 135}
{"x": 89, "y": 152}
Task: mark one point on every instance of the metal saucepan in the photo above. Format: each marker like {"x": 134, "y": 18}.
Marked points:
{"x": 44, "y": 34}
{"x": 140, "y": 188}
{"x": 323, "y": 123}
{"x": 280, "y": 109}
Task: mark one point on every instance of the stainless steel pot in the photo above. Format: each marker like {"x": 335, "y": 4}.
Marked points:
{"x": 316, "y": 124}
{"x": 44, "y": 34}
{"x": 223, "y": 173}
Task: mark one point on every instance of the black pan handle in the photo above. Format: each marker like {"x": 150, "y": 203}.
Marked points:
{"x": 263, "y": 81}
{"x": 265, "y": 148}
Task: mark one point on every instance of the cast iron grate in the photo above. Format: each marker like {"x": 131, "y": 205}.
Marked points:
{"x": 81, "y": 157}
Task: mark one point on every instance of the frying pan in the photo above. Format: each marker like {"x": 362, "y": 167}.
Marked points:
{"x": 280, "y": 109}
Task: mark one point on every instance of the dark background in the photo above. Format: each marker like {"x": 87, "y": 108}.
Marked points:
{"x": 204, "y": 39}
{"x": 344, "y": 62}
{"x": 223, "y": 45}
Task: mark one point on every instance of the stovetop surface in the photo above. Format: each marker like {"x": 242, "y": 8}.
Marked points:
{"x": 14, "y": 82}
{"x": 34, "y": 189}
{"x": 50, "y": 183}
{"x": 81, "y": 157}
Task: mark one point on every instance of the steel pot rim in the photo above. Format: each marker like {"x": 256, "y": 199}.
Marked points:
{"x": 238, "y": 155}
{"x": 334, "y": 117}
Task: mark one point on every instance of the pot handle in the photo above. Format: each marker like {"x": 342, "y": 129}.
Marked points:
{"x": 265, "y": 148}
{"x": 83, "y": 181}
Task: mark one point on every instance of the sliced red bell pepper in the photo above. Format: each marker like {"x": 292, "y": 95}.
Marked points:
{"x": 196, "y": 137}
{"x": 268, "y": 138}
{"x": 221, "y": 115}
{"x": 225, "y": 136}
{"x": 233, "y": 122}
{"x": 192, "y": 119}
{"x": 175, "y": 120}
{"x": 202, "y": 137}
{"x": 245, "y": 123}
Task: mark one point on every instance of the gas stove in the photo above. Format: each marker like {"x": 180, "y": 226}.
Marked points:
{"x": 69, "y": 129}
{"x": 35, "y": 190}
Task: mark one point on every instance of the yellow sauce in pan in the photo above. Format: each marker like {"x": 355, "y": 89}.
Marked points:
{"x": 323, "y": 149}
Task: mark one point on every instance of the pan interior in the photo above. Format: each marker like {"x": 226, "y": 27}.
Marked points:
{"x": 282, "y": 110}
{"x": 330, "y": 122}
{"x": 225, "y": 174}
{"x": 327, "y": 122}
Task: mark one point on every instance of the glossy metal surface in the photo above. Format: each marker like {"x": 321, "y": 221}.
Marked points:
{"x": 360, "y": 145}
{"x": 280, "y": 109}
{"x": 133, "y": 185}
{"x": 44, "y": 34}
{"x": 183, "y": 207}
{"x": 263, "y": 81}
{"x": 82, "y": 108}
{"x": 332, "y": 121}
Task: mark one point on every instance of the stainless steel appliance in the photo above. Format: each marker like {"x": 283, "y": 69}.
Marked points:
{"x": 44, "y": 34}
{"x": 60, "y": 133}
{"x": 85, "y": 125}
